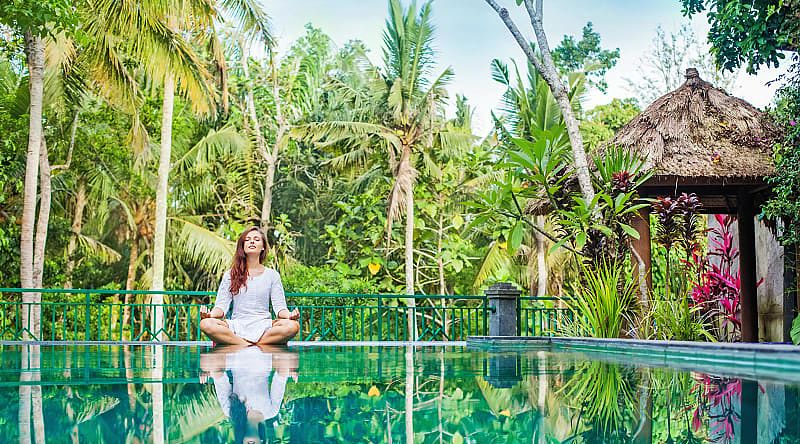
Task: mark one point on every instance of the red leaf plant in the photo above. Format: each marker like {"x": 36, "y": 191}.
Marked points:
{"x": 719, "y": 285}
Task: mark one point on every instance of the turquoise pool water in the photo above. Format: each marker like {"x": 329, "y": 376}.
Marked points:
{"x": 319, "y": 394}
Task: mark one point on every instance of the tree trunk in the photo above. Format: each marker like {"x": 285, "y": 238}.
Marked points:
{"x": 77, "y": 226}
{"x": 41, "y": 236}
{"x": 547, "y": 69}
{"x": 272, "y": 158}
{"x": 160, "y": 237}
{"x": 541, "y": 259}
{"x": 409, "y": 247}
{"x": 34, "y": 50}
{"x": 269, "y": 181}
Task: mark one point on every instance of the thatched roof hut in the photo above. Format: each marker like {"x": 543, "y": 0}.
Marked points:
{"x": 700, "y": 137}
{"x": 700, "y": 131}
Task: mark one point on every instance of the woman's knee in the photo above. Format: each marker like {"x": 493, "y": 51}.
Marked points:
{"x": 209, "y": 325}
{"x": 288, "y": 327}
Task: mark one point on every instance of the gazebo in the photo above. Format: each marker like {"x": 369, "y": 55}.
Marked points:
{"x": 699, "y": 139}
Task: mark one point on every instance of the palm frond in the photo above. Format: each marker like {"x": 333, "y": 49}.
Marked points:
{"x": 202, "y": 246}
{"x": 105, "y": 253}
{"x": 213, "y": 147}
{"x": 251, "y": 19}
{"x": 496, "y": 259}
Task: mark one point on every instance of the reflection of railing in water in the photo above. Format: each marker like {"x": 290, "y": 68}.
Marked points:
{"x": 104, "y": 315}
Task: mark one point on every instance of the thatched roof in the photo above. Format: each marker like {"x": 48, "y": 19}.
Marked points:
{"x": 701, "y": 131}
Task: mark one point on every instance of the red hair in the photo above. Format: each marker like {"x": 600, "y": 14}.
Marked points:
{"x": 239, "y": 271}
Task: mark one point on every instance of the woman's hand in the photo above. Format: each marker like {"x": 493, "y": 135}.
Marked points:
{"x": 286, "y": 314}
{"x": 204, "y": 313}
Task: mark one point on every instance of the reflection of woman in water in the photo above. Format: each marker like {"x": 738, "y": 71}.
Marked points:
{"x": 251, "y": 287}
{"x": 244, "y": 390}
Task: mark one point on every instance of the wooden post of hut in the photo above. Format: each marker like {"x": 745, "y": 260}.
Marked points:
{"x": 699, "y": 139}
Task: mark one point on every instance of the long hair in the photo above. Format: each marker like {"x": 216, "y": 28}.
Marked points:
{"x": 239, "y": 266}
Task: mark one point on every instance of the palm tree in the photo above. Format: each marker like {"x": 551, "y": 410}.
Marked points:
{"x": 160, "y": 42}
{"x": 404, "y": 101}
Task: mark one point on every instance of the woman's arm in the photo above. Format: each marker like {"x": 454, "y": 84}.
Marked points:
{"x": 278, "y": 299}
{"x": 223, "y": 300}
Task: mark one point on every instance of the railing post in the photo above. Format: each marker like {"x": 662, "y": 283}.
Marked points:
{"x": 88, "y": 316}
{"x": 503, "y": 315}
{"x": 380, "y": 319}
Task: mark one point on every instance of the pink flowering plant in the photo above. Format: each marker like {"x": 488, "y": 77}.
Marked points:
{"x": 718, "y": 287}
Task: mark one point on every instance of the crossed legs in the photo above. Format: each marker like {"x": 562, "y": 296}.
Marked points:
{"x": 281, "y": 332}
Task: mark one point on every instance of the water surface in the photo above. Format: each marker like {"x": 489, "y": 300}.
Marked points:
{"x": 316, "y": 394}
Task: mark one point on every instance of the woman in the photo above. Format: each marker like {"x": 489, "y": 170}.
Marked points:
{"x": 251, "y": 287}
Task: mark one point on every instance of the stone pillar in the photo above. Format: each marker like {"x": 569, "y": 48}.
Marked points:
{"x": 503, "y": 305}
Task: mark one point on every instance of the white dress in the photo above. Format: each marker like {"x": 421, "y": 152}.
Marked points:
{"x": 251, "y": 316}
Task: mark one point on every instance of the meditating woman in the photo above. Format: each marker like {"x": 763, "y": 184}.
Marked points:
{"x": 251, "y": 287}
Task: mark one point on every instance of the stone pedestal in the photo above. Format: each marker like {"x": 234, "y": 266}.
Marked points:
{"x": 503, "y": 303}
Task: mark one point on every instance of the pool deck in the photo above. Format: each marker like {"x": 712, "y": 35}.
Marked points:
{"x": 744, "y": 359}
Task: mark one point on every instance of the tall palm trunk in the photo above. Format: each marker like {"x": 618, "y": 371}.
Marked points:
{"x": 41, "y": 236}
{"x": 77, "y": 226}
{"x": 272, "y": 159}
{"x": 261, "y": 144}
{"x": 409, "y": 247}
{"x": 34, "y": 50}
{"x": 160, "y": 237}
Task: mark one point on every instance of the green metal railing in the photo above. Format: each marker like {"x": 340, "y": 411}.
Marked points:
{"x": 119, "y": 315}
{"x": 541, "y": 316}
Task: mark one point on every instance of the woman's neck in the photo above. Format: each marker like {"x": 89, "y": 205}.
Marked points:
{"x": 253, "y": 263}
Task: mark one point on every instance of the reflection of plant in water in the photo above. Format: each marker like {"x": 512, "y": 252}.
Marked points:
{"x": 605, "y": 395}
{"x": 717, "y": 398}
{"x": 504, "y": 401}
{"x": 672, "y": 402}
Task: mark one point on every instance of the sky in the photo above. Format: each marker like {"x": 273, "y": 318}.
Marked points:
{"x": 469, "y": 35}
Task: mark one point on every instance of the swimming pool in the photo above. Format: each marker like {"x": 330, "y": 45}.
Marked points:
{"x": 423, "y": 394}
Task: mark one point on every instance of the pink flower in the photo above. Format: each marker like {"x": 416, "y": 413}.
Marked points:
{"x": 792, "y": 123}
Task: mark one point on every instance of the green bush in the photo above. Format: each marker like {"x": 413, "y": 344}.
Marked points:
{"x": 601, "y": 302}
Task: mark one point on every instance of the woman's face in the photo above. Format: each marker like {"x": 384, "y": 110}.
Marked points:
{"x": 253, "y": 243}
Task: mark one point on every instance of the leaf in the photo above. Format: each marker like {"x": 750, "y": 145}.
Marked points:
{"x": 795, "y": 332}
{"x": 458, "y": 221}
{"x": 457, "y": 438}
{"x": 515, "y": 238}
{"x": 580, "y": 240}
{"x": 630, "y": 231}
